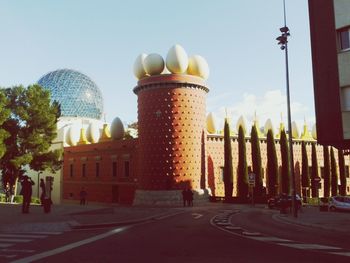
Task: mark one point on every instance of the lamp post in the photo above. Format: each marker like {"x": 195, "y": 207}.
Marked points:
{"x": 283, "y": 42}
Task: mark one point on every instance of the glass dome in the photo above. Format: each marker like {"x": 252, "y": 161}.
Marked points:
{"x": 78, "y": 95}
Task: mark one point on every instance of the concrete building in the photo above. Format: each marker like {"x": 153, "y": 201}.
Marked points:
{"x": 330, "y": 42}
{"x": 177, "y": 145}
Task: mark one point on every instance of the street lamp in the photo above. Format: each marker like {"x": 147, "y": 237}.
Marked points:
{"x": 283, "y": 42}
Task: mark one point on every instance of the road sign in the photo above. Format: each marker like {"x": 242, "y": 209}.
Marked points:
{"x": 251, "y": 179}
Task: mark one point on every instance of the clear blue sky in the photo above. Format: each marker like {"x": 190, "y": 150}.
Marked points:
{"x": 102, "y": 38}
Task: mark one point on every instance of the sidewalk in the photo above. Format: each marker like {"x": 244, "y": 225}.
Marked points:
{"x": 311, "y": 216}
{"x": 66, "y": 216}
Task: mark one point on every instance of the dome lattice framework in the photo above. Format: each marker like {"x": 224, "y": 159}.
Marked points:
{"x": 78, "y": 95}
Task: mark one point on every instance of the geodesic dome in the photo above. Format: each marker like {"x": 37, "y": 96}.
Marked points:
{"x": 78, "y": 95}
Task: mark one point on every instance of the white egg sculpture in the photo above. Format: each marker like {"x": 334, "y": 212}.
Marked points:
{"x": 242, "y": 122}
{"x": 139, "y": 67}
{"x": 177, "y": 60}
{"x": 295, "y": 131}
{"x": 73, "y": 134}
{"x": 165, "y": 71}
{"x": 198, "y": 66}
{"x": 314, "y": 132}
{"x": 268, "y": 126}
{"x": 117, "y": 129}
{"x": 93, "y": 133}
{"x": 154, "y": 64}
{"x": 211, "y": 123}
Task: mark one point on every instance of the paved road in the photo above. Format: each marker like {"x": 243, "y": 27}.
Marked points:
{"x": 196, "y": 235}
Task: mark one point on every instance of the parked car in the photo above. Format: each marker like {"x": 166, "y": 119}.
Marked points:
{"x": 276, "y": 202}
{"x": 339, "y": 203}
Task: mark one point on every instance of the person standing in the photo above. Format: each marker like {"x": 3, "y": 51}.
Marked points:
{"x": 8, "y": 193}
{"x": 26, "y": 192}
{"x": 83, "y": 195}
{"x": 184, "y": 196}
{"x": 189, "y": 197}
{"x": 43, "y": 191}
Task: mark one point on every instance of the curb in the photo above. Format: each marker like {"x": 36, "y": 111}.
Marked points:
{"x": 77, "y": 226}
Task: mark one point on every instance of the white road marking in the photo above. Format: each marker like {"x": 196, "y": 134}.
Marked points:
{"x": 271, "y": 239}
{"x": 20, "y": 235}
{"x": 307, "y": 246}
{"x": 15, "y": 240}
{"x": 69, "y": 246}
{"x": 3, "y": 245}
{"x": 196, "y": 215}
{"x": 347, "y": 254}
{"x": 246, "y": 233}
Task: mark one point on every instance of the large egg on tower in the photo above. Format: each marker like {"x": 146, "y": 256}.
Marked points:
{"x": 154, "y": 64}
{"x": 93, "y": 133}
{"x": 177, "y": 60}
{"x": 73, "y": 135}
{"x": 211, "y": 123}
{"x": 268, "y": 126}
{"x": 117, "y": 129}
{"x": 198, "y": 66}
{"x": 139, "y": 66}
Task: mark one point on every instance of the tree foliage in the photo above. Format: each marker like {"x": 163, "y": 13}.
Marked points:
{"x": 32, "y": 126}
{"x": 4, "y": 114}
{"x": 272, "y": 165}
{"x": 228, "y": 168}
{"x": 314, "y": 171}
{"x": 285, "y": 176}
{"x": 341, "y": 161}
{"x": 327, "y": 174}
{"x": 305, "y": 178}
{"x": 242, "y": 176}
{"x": 256, "y": 161}
{"x": 334, "y": 173}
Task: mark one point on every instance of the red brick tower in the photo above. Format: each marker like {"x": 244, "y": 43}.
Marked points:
{"x": 171, "y": 123}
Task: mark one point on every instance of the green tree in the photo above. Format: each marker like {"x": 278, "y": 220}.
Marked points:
{"x": 305, "y": 178}
{"x": 334, "y": 173}
{"x": 256, "y": 161}
{"x": 228, "y": 169}
{"x": 314, "y": 171}
{"x": 342, "y": 188}
{"x": 242, "y": 176}
{"x": 327, "y": 172}
{"x": 285, "y": 176}
{"x": 272, "y": 165}
{"x": 4, "y": 114}
{"x": 32, "y": 126}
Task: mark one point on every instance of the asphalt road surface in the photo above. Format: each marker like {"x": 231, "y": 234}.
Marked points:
{"x": 197, "y": 235}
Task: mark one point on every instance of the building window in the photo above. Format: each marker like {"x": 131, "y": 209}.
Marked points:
{"x": 344, "y": 38}
{"x": 222, "y": 173}
{"x": 83, "y": 170}
{"x": 322, "y": 172}
{"x": 114, "y": 169}
{"x": 126, "y": 169}
{"x": 71, "y": 170}
{"x": 97, "y": 169}
{"x": 347, "y": 175}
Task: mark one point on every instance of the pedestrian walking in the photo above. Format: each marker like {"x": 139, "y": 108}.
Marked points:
{"x": 26, "y": 192}
{"x": 83, "y": 195}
